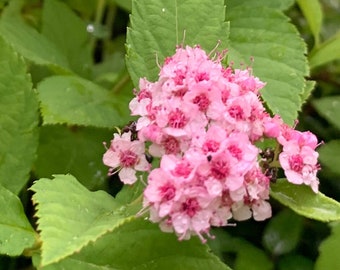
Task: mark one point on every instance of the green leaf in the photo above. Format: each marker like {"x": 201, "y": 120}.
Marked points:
{"x": 302, "y": 200}
{"x": 277, "y": 238}
{"x": 76, "y": 101}
{"x": 329, "y": 250}
{"x": 85, "y": 8}
{"x": 141, "y": 245}
{"x": 295, "y": 262}
{"x": 312, "y": 11}
{"x": 248, "y": 256}
{"x": 326, "y": 52}
{"x": 16, "y": 233}
{"x": 158, "y": 26}
{"x": 125, "y": 4}
{"x": 309, "y": 87}
{"x": 279, "y": 5}
{"x": 329, "y": 107}
{"x": 278, "y": 51}
{"x": 329, "y": 155}
{"x": 18, "y": 120}
{"x": 68, "y": 32}
{"x": 29, "y": 42}
{"x": 77, "y": 151}
{"x": 70, "y": 216}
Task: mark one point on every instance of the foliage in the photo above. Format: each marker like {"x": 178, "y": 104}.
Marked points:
{"x": 67, "y": 72}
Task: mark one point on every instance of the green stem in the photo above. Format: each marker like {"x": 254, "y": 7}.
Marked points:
{"x": 109, "y": 23}
{"x": 100, "y": 11}
{"x": 277, "y": 151}
{"x": 98, "y": 19}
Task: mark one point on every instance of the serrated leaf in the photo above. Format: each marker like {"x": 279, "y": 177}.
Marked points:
{"x": 29, "y": 42}
{"x": 329, "y": 250}
{"x": 302, "y": 200}
{"x": 76, "y": 101}
{"x": 277, "y": 238}
{"x": 312, "y": 11}
{"x": 158, "y": 26}
{"x": 16, "y": 233}
{"x": 329, "y": 107}
{"x": 18, "y": 120}
{"x": 266, "y": 34}
{"x": 326, "y": 52}
{"x": 77, "y": 151}
{"x": 309, "y": 87}
{"x": 68, "y": 32}
{"x": 141, "y": 245}
{"x": 70, "y": 216}
{"x": 329, "y": 155}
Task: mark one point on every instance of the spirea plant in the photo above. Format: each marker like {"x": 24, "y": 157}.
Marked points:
{"x": 203, "y": 121}
{"x": 208, "y": 159}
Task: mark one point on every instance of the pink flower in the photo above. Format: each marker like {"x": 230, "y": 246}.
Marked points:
{"x": 161, "y": 193}
{"x": 126, "y": 156}
{"x": 300, "y": 162}
{"x": 272, "y": 126}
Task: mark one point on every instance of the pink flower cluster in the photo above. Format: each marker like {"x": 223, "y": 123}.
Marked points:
{"x": 299, "y": 159}
{"x": 202, "y": 120}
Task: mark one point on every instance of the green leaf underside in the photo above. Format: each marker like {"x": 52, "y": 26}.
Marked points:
{"x": 16, "y": 233}
{"x": 329, "y": 155}
{"x": 277, "y": 239}
{"x": 70, "y": 216}
{"x": 266, "y": 35}
{"x": 326, "y": 52}
{"x": 157, "y": 27}
{"x": 141, "y": 245}
{"x": 76, "y": 101}
{"x": 302, "y": 200}
{"x": 28, "y": 42}
{"x": 18, "y": 120}
{"x": 329, "y": 250}
{"x": 329, "y": 107}
{"x": 68, "y": 32}
{"x": 77, "y": 151}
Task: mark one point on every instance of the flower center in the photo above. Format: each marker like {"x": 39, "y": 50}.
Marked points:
{"x": 235, "y": 151}
{"x": 177, "y": 119}
{"x": 296, "y": 163}
{"x": 144, "y": 94}
{"x": 210, "y": 146}
{"x": 167, "y": 192}
{"x": 128, "y": 158}
{"x": 219, "y": 169}
{"x": 203, "y": 76}
{"x": 202, "y": 101}
{"x": 190, "y": 207}
{"x": 236, "y": 112}
{"x": 171, "y": 145}
{"x": 183, "y": 169}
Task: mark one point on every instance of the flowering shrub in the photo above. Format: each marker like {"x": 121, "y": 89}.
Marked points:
{"x": 203, "y": 121}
